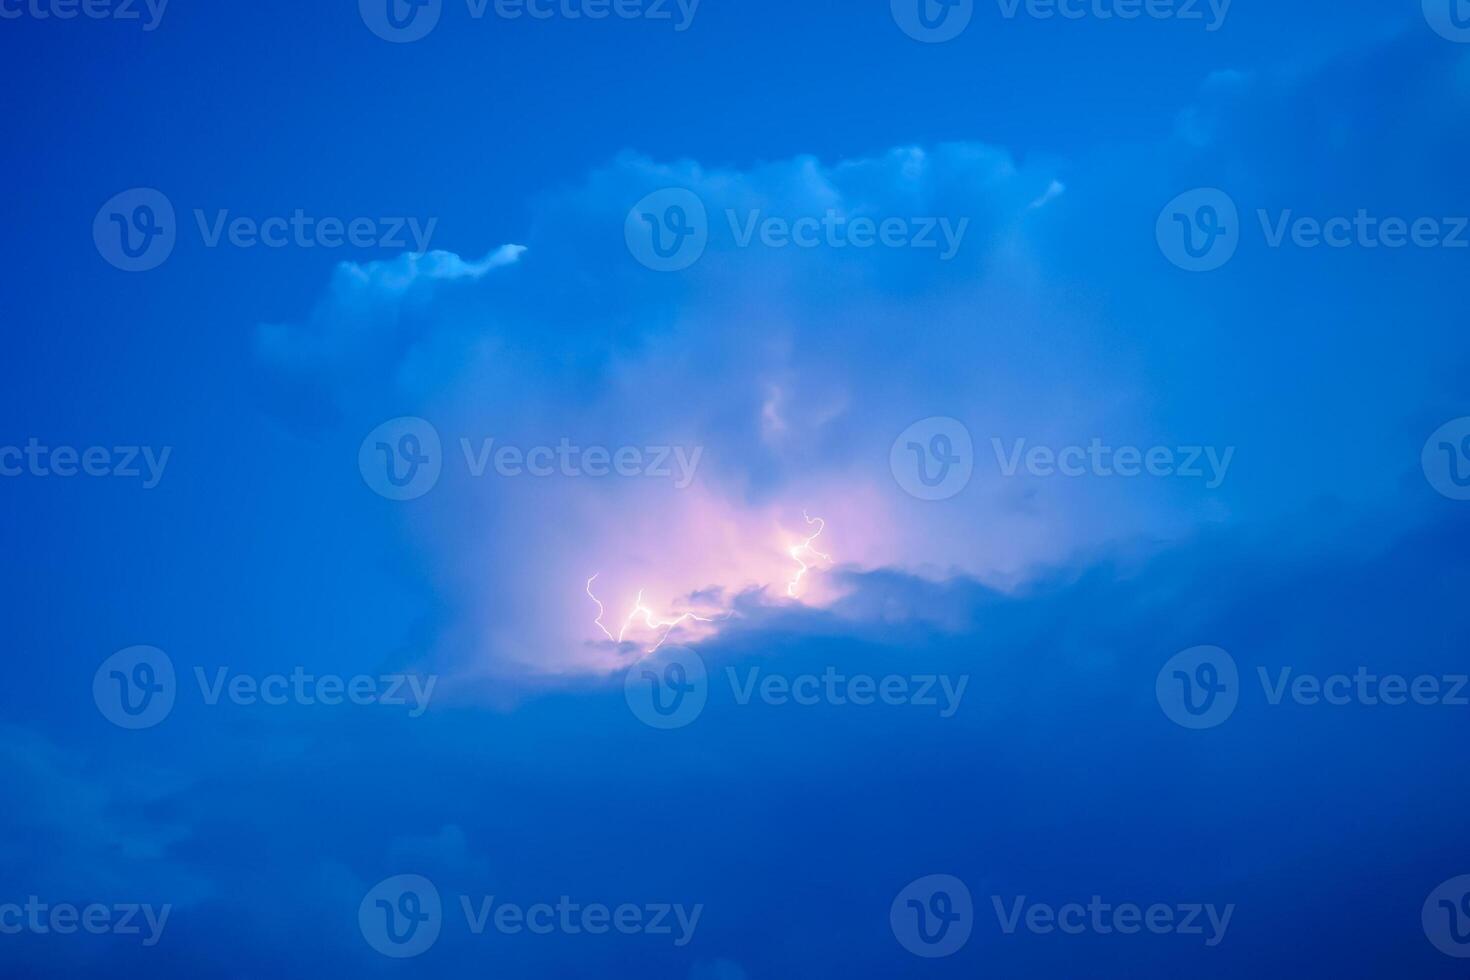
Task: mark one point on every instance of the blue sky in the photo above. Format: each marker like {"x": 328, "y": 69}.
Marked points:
{"x": 320, "y": 495}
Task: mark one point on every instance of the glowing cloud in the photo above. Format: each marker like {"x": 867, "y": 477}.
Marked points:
{"x": 667, "y": 626}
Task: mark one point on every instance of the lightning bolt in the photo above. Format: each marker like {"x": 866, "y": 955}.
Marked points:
{"x": 667, "y": 625}
{"x": 648, "y": 619}
{"x": 806, "y": 548}
{"x": 600, "y": 610}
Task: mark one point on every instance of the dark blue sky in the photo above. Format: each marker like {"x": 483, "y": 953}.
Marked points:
{"x": 1304, "y": 509}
